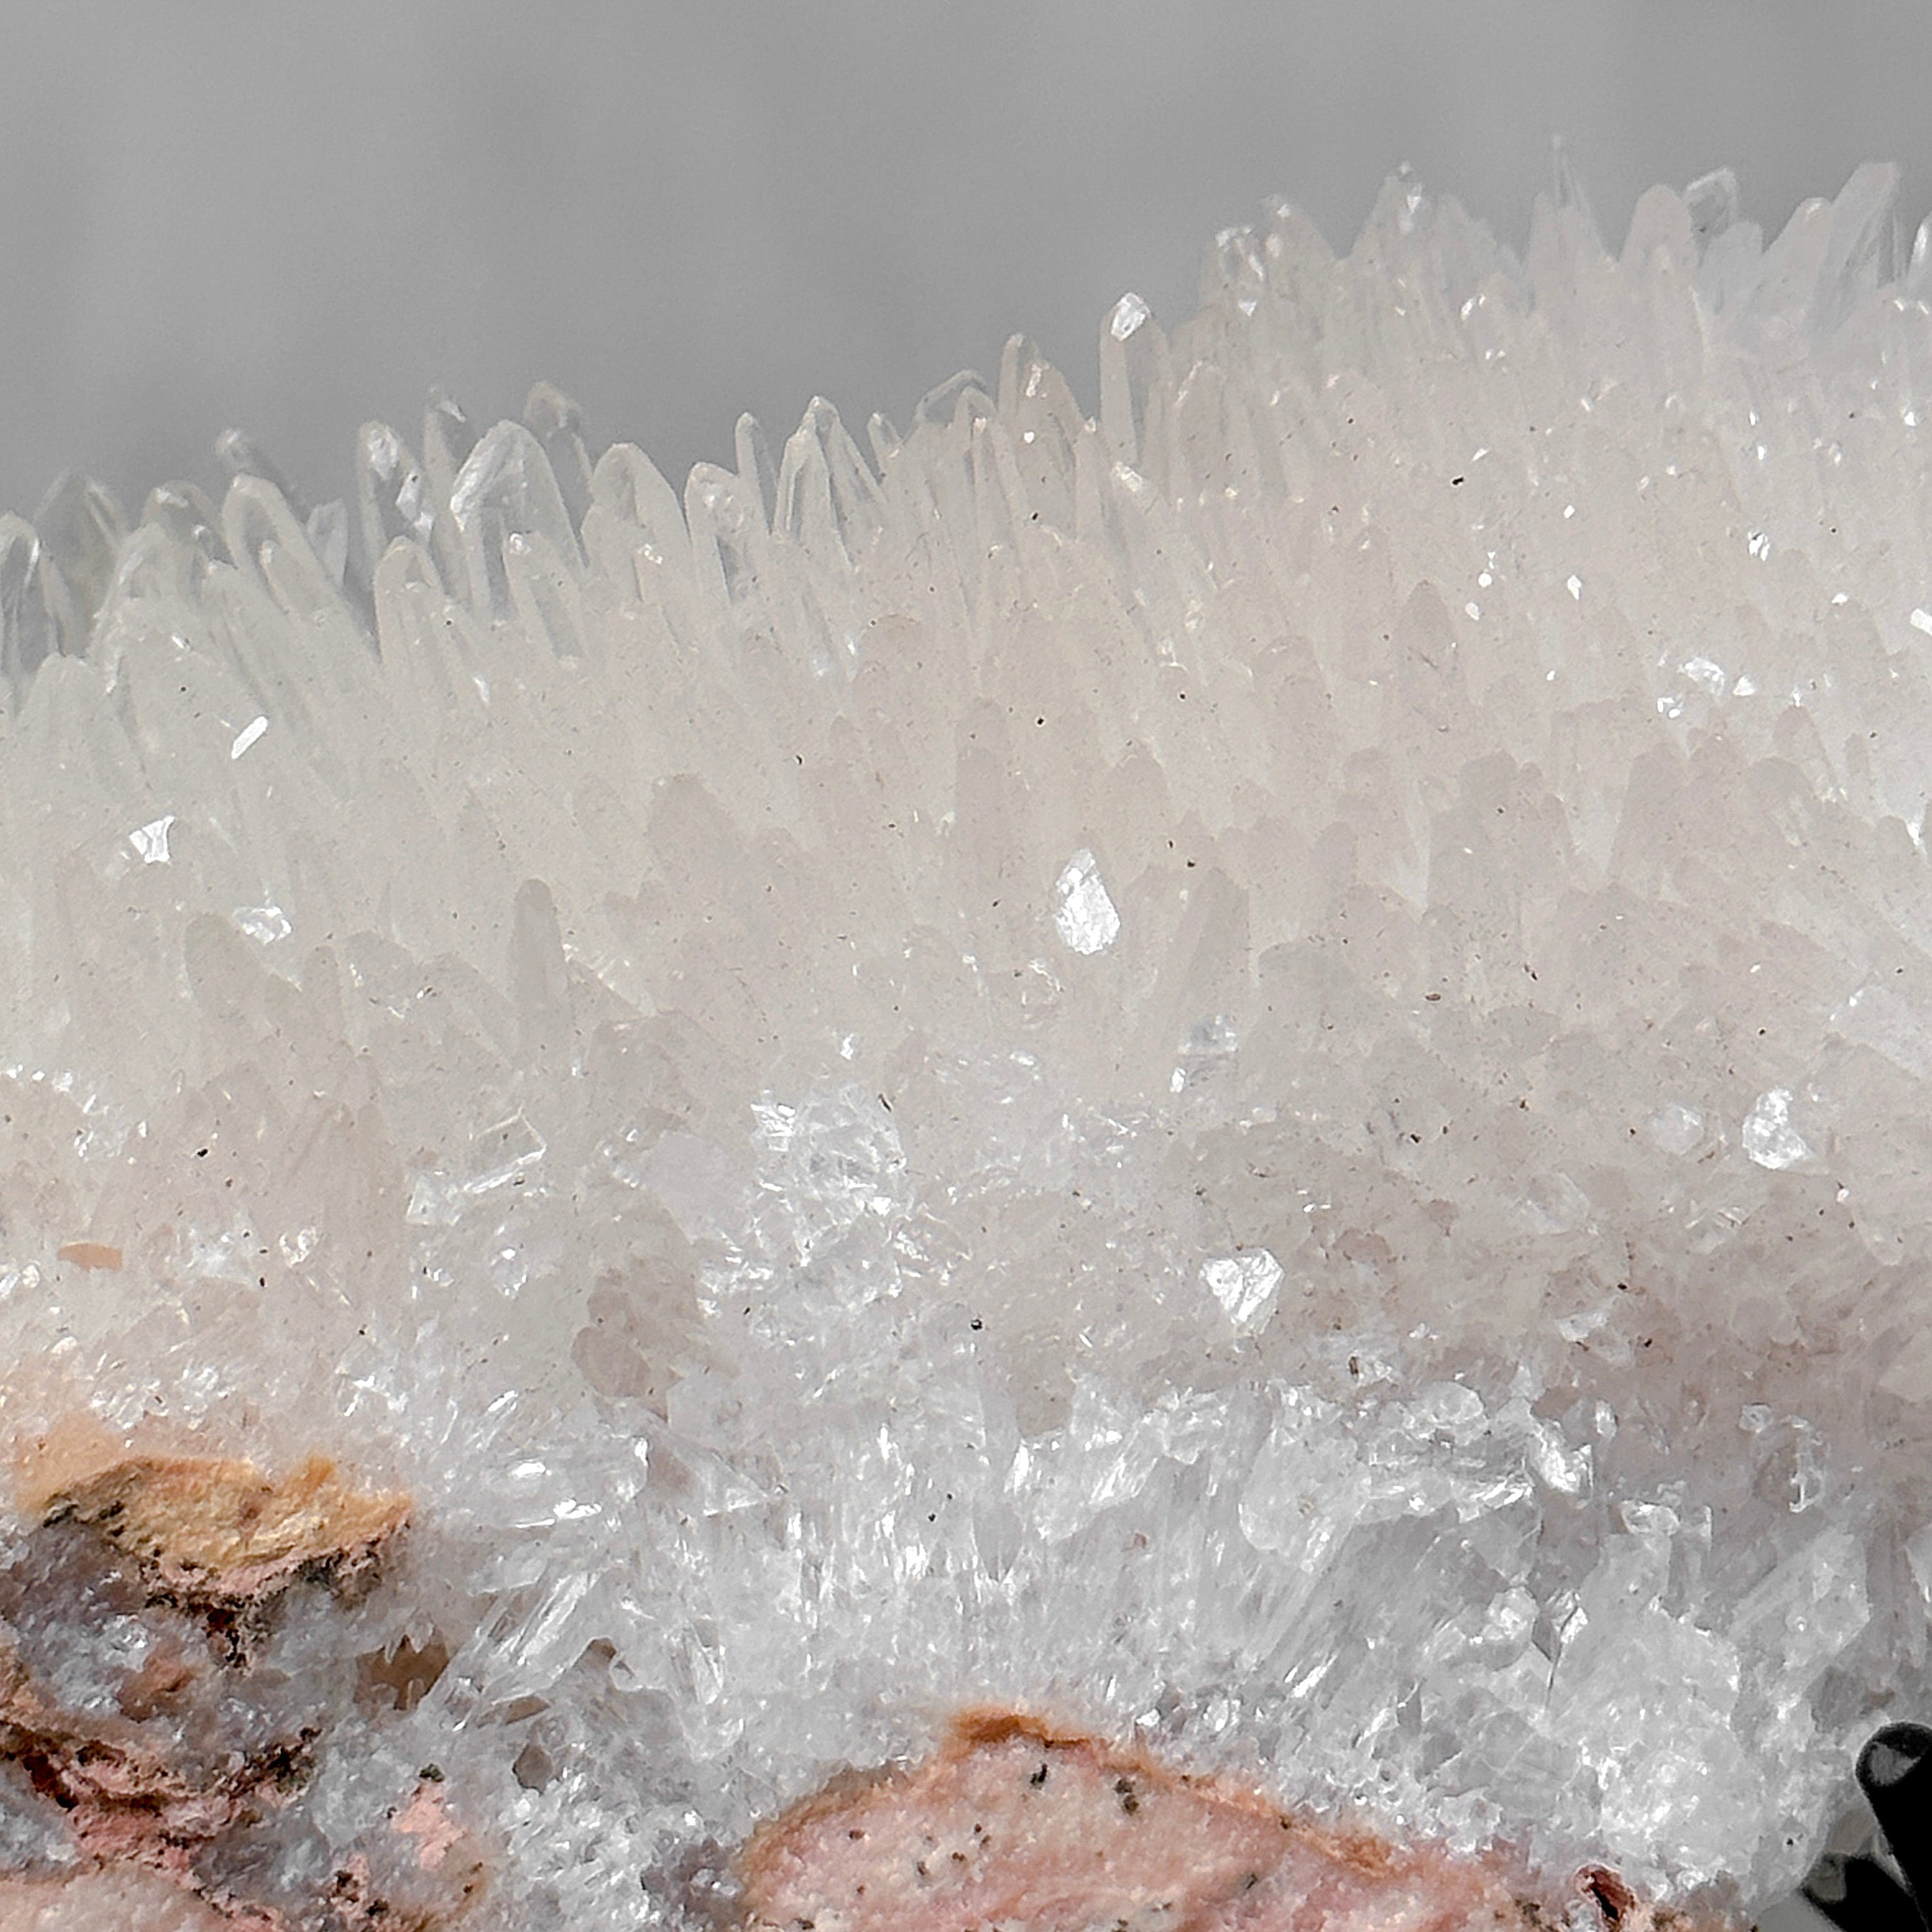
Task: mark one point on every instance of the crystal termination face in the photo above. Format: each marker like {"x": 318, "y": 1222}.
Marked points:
{"x": 1253, "y": 1071}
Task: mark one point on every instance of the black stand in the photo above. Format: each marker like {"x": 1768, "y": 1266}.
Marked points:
{"x": 1859, "y": 1895}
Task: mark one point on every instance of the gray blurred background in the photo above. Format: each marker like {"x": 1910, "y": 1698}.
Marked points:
{"x": 293, "y": 218}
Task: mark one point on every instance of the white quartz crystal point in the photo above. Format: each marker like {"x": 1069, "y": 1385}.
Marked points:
{"x": 1133, "y": 378}
{"x": 557, "y": 424}
{"x": 828, "y": 501}
{"x": 506, "y": 495}
{"x": 392, "y": 494}
{"x": 1259, "y": 1062}
{"x": 240, "y": 455}
{"x": 28, "y": 626}
{"x": 82, "y": 529}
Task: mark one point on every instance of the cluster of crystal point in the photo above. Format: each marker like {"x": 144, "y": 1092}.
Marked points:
{"x": 1256, "y": 1070}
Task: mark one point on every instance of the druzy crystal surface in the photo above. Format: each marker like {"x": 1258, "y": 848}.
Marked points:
{"x": 1252, "y": 1071}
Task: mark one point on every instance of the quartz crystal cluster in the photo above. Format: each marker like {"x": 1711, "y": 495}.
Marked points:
{"x": 1253, "y": 1070}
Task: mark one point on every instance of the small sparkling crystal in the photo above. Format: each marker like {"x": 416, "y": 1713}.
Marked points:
{"x": 1083, "y": 916}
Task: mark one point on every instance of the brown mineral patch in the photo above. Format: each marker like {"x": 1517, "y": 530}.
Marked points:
{"x": 88, "y": 1254}
{"x": 401, "y": 1677}
{"x": 157, "y": 1686}
{"x": 1614, "y": 1900}
{"x": 214, "y": 1534}
{"x": 122, "y": 1801}
{"x": 1619, "y": 1909}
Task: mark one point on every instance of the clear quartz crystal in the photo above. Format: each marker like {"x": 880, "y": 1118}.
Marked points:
{"x": 1252, "y": 1067}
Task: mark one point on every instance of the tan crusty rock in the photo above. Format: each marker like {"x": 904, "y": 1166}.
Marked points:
{"x": 216, "y": 1533}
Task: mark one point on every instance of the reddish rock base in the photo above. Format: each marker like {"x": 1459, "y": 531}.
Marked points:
{"x": 213, "y": 1548}
{"x": 1017, "y": 1824}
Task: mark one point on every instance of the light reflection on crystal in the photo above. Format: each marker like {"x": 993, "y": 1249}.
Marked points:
{"x": 1083, "y": 915}
{"x": 1769, "y": 1137}
{"x": 151, "y": 840}
{"x": 1244, "y": 1285}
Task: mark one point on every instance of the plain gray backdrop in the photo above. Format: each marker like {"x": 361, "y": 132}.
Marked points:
{"x": 291, "y": 218}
